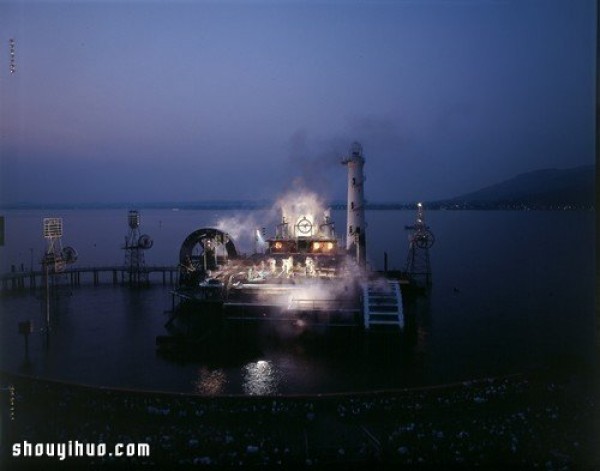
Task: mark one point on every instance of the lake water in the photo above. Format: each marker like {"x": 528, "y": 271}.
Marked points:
{"x": 512, "y": 290}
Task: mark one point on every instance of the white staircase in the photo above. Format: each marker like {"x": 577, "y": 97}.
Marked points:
{"x": 382, "y": 304}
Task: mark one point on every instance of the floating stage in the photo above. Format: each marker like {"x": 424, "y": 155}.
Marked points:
{"x": 302, "y": 275}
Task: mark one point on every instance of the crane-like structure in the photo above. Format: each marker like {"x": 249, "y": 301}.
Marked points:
{"x": 135, "y": 246}
{"x": 420, "y": 240}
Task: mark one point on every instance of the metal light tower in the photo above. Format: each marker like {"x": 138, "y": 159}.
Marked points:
{"x": 421, "y": 239}
{"x": 56, "y": 257}
{"x": 135, "y": 245}
{"x": 355, "y": 233}
{"x": 53, "y": 230}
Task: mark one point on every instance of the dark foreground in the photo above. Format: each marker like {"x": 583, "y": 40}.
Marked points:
{"x": 546, "y": 421}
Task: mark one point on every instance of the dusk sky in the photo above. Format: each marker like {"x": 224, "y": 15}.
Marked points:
{"x": 206, "y": 100}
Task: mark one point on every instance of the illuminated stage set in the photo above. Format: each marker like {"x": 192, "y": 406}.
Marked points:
{"x": 302, "y": 275}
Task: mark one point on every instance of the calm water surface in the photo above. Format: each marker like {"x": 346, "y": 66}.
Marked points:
{"x": 512, "y": 290}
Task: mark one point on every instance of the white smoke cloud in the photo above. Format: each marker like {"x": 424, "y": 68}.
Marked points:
{"x": 293, "y": 205}
{"x": 241, "y": 228}
{"x": 316, "y": 163}
{"x": 246, "y": 229}
{"x": 299, "y": 203}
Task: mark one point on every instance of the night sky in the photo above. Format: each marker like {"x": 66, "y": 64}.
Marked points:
{"x": 206, "y": 100}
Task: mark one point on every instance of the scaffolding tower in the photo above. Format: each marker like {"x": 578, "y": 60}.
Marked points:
{"x": 135, "y": 246}
{"x": 420, "y": 240}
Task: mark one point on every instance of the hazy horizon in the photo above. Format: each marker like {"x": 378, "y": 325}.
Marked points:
{"x": 241, "y": 203}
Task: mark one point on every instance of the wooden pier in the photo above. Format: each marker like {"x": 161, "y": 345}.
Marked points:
{"x": 75, "y": 276}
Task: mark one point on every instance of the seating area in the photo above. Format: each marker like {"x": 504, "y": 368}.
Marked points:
{"x": 532, "y": 421}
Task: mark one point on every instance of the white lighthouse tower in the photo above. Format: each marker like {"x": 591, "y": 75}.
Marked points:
{"x": 355, "y": 233}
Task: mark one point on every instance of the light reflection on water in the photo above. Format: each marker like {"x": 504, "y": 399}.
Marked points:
{"x": 261, "y": 378}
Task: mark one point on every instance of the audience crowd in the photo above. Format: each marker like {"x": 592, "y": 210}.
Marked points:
{"x": 525, "y": 420}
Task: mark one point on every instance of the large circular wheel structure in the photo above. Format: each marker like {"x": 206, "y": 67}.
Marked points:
{"x": 145, "y": 242}
{"x": 424, "y": 239}
{"x": 69, "y": 255}
{"x": 200, "y": 241}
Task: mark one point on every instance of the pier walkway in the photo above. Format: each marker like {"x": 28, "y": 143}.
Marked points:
{"x": 75, "y": 276}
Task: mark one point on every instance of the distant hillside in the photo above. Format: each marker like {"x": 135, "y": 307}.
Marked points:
{"x": 540, "y": 188}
